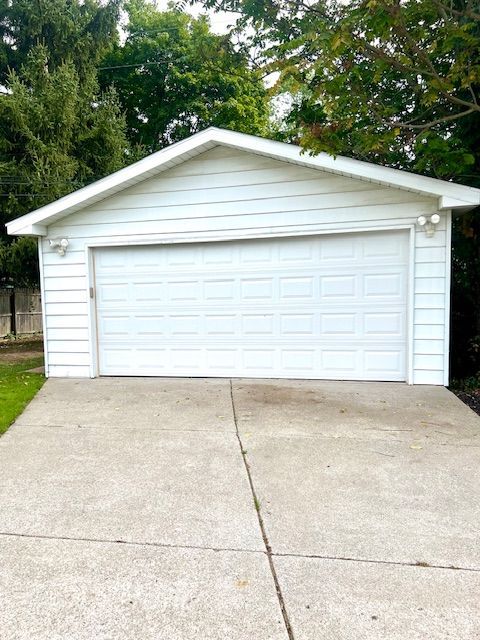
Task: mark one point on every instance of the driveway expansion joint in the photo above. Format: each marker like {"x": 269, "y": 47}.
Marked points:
{"x": 268, "y": 548}
{"x": 160, "y": 545}
{"x": 416, "y": 565}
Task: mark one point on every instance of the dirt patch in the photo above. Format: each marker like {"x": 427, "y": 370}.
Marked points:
{"x": 268, "y": 394}
{"x": 470, "y": 398}
{"x": 20, "y": 349}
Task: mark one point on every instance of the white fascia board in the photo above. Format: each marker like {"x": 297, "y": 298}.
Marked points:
{"x": 458, "y": 196}
{"x": 448, "y": 203}
{"x": 36, "y": 230}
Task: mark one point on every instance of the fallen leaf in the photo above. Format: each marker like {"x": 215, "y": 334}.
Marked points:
{"x": 241, "y": 583}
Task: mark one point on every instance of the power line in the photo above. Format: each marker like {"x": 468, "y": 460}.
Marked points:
{"x": 16, "y": 182}
{"x": 139, "y": 64}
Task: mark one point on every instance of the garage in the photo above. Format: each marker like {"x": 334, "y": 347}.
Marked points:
{"x": 312, "y": 307}
{"x": 229, "y": 255}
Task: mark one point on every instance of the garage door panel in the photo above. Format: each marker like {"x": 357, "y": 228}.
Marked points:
{"x": 255, "y": 324}
{"x": 220, "y": 324}
{"x": 339, "y": 287}
{"x": 110, "y": 326}
{"x": 250, "y": 255}
{"x": 113, "y": 292}
{"x": 147, "y": 291}
{"x": 297, "y": 253}
{"x": 340, "y": 362}
{"x": 297, "y": 324}
{"x": 215, "y": 290}
{"x": 316, "y": 307}
{"x": 382, "y": 360}
{"x": 220, "y": 360}
{"x": 323, "y": 327}
{"x": 383, "y": 285}
{"x": 389, "y": 249}
{"x": 335, "y": 324}
{"x": 390, "y": 323}
{"x": 339, "y": 249}
{"x": 297, "y": 287}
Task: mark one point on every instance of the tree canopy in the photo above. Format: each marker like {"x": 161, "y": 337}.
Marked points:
{"x": 79, "y": 31}
{"x": 175, "y": 77}
{"x": 58, "y": 130}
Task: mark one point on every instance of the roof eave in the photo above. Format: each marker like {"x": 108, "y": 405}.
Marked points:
{"x": 450, "y": 195}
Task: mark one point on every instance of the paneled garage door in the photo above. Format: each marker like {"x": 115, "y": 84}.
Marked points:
{"x": 310, "y": 307}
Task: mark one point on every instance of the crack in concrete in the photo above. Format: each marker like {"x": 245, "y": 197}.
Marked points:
{"x": 161, "y": 545}
{"x": 266, "y": 542}
{"x": 268, "y": 550}
{"x": 417, "y": 565}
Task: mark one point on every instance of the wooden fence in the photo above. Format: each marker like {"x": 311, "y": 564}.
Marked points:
{"x": 20, "y": 311}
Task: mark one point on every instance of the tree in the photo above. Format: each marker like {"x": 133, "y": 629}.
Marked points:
{"x": 19, "y": 263}
{"x": 58, "y": 130}
{"x": 175, "y": 77}
{"x": 75, "y": 30}
{"x": 380, "y": 79}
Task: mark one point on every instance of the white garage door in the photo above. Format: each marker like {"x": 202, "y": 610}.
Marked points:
{"x": 310, "y": 307}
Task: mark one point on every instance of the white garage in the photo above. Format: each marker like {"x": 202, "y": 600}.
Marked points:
{"x": 227, "y": 255}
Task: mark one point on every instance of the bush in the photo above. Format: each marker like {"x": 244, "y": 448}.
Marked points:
{"x": 19, "y": 263}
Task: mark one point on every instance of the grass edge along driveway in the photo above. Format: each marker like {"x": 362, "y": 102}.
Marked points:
{"x": 17, "y": 388}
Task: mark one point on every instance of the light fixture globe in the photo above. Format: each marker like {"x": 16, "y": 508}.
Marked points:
{"x": 60, "y": 245}
{"x": 435, "y": 218}
{"x": 421, "y": 220}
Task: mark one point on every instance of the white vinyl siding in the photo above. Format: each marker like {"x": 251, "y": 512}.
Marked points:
{"x": 225, "y": 193}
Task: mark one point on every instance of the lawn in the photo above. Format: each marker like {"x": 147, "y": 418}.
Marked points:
{"x": 17, "y": 385}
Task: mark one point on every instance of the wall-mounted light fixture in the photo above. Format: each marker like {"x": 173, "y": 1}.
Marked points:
{"x": 429, "y": 223}
{"x": 60, "y": 244}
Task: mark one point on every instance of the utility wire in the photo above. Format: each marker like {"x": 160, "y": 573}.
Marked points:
{"x": 139, "y": 64}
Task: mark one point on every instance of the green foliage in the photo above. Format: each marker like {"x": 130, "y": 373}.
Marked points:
{"x": 58, "y": 130}
{"x": 79, "y": 31}
{"x": 381, "y": 80}
{"x": 468, "y": 384}
{"x": 465, "y": 324}
{"x": 175, "y": 77}
{"x": 19, "y": 262}
{"x": 56, "y": 134}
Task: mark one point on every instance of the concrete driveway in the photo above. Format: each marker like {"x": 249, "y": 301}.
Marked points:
{"x": 181, "y": 509}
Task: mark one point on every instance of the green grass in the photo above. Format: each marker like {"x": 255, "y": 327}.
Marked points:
{"x": 17, "y": 388}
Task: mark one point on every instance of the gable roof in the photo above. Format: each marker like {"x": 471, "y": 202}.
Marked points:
{"x": 450, "y": 195}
